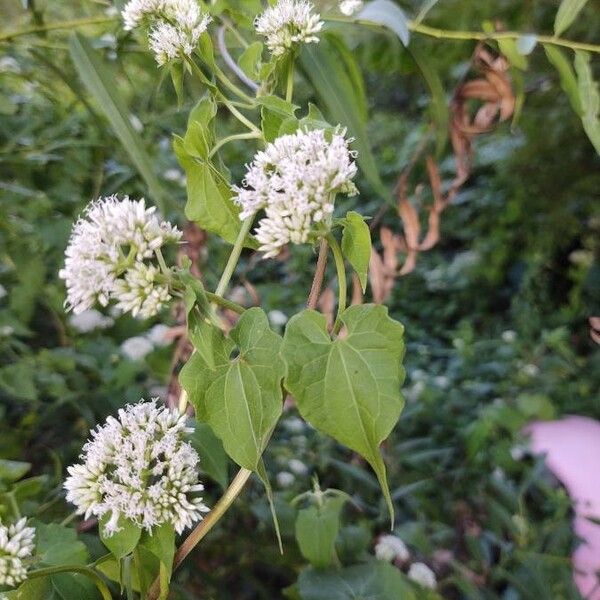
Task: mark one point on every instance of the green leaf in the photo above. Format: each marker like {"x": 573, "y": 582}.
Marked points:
{"x": 375, "y": 580}
{"x": 209, "y": 202}
{"x": 439, "y": 106}
{"x": 356, "y": 245}
{"x": 122, "y": 542}
{"x": 566, "y": 14}
{"x": 326, "y": 69}
{"x": 568, "y": 81}
{"x": 33, "y": 589}
{"x": 388, "y": 14}
{"x": 317, "y": 528}
{"x": 161, "y": 543}
{"x": 213, "y": 458}
{"x": 348, "y": 388}
{"x": 250, "y": 59}
{"x": 274, "y": 112}
{"x": 100, "y": 82}
{"x": 239, "y": 397}
{"x": 13, "y": 470}
{"x": 590, "y": 98}
{"x": 57, "y": 545}
{"x": 516, "y": 58}
{"x": 68, "y": 586}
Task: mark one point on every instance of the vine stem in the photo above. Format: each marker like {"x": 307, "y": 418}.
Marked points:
{"x": 240, "y": 480}
{"x": 251, "y": 135}
{"x": 289, "y": 89}
{"x": 71, "y": 24}
{"x": 234, "y": 256}
{"x": 338, "y": 257}
{"x": 83, "y": 570}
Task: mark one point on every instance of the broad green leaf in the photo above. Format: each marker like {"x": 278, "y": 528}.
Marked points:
{"x": 213, "y": 458}
{"x": 209, "y": 202}
{"x": 250, "y": 59}
{"x": 68, "y": 586}
{"x": 122, "y": 542}
{"x": 377, "y": 580}
{"x": 100, "y": 82}
{"x": 204, "y": 111}
{"x": 317, "y": 528}
{"x": 325, "y": 69}
{"x": 58, "y": 545}
{"x": 273, "y": 113}
{"x": 388, "y": 14}
{"x": 161, "y": 543}
{"x": 566, "y": 14}
{"x": 240, "y": 397}
{"x": 13, "y": 470}
{"x": 439, "y": 105}
{"x": 33, "y": 589}
{"x": 590, "y": 98}
{"x": 356, "y": 245}
{"x": 568, "y": 81}
{"x": 348, "y": 388}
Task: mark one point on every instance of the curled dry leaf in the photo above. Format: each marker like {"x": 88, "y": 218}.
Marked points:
{"x": 595, "y": 329}
{"x": 477, "y": 106}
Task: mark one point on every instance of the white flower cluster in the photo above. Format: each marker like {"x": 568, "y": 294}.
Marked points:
{"x": 175, "y": 26}
{"x": 16, "y": 543}
{"x": 287, "y": 23}
{"x": 110, "y": 254}
{"x": 391, "y": 548}
{"x": 420, "y": 573}
{"x": 139, "y": 467}
{"x": 349, "y": 7}
{"x": 295, "y": 180}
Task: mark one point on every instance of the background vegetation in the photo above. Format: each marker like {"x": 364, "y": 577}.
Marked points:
{"x": 496, "y": 315}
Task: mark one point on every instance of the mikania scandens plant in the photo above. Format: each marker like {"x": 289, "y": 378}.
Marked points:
{"x": 138, "y": 474}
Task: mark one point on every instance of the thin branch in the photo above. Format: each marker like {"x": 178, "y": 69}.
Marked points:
{"x": 231, "y": 63}
{"x": 315, "y": 290}
{"x": 72, "y": 24}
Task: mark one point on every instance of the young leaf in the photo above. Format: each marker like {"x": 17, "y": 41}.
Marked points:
{"x": 566, "y": 14}
{"x": 388, "y": 14}
{"x": 239, "y": 397}
{"x": 273, "y": 113}
{"x": 348, "y": 388}
{"x": 100, "y": 83}
{"x": 568, "y": 81}
{"x": 590, "y": 98}
{"x": 122, "y": 542}
{"x": 250, "y": 59}
{"x": 58, "y": 545}
{"x": 317, "y": 528}
{"x": 213, "y": 458}
{"x": 326, "y": 69}
{"x": 161, "y": 543}
{"x": 356, "y": 245}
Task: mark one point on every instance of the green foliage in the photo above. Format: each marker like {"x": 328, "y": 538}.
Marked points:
{"x": 356, "y": 245}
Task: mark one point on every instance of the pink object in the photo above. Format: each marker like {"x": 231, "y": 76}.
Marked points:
{"x": 572, "y": 449}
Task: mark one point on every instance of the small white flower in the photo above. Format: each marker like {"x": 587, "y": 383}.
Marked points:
{"x": 110, "y": 254}
{"x": 6, "y": 330}
{"x": 175, "y": 26}
{"x": 158, "y": 335}
{"x": 349, "y": 7}
{"x": 287, "y": 23}
{"x": 509, "y": 336}
{"x": 139, "y": 467}
{"x": 295, "y": 180}
{"x": 89, "y": 320}
{"x": 137, "y": 347}
{"x": 176, "y": 176}
{"x": 277, "y": 318}
{"x": 391, "y": 548}
{"x": 297, "y": 467}
{"x": 285, "y": 479}
{"x": 136, "y": 123}
{"x": 420, "y": 573}
{"x": 16, "y": 543}
{"x": 530, "y": 370}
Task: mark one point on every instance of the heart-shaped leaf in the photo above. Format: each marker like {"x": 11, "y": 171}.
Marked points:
{"x": 349, "y": 388}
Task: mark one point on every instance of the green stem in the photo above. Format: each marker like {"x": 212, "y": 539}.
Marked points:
{"x": 234, "y": 257}
{"x": 230, "y": 138}
{"x": 224, "y": 303}
{"x": 338, "y": 257}
{"x": 238, "y": 115}
{"x": 213, "y": 517}
{"x": 71, "y": 24}
{"x": 230, "y": 85}
{"x": 83, "y": 570}
{"x": 14, "y": 505}
{"x": 449, "y": 34}
{"x": 289, "y": 90}
{"x": 127, "y": 577}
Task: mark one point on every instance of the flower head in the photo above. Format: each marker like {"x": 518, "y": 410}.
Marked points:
{"x": 139, "y": 467}
{"x": 295, "y": 180}
{"x": 287, "y": 23}
{"x": 420, "y": 573}
{"x": 349, "y": 7}
{"x": 390, "y": 548}
{"x": 110, "y": 254}
{"x": 16, "y": 543}
{"x": 175, "y": 26}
